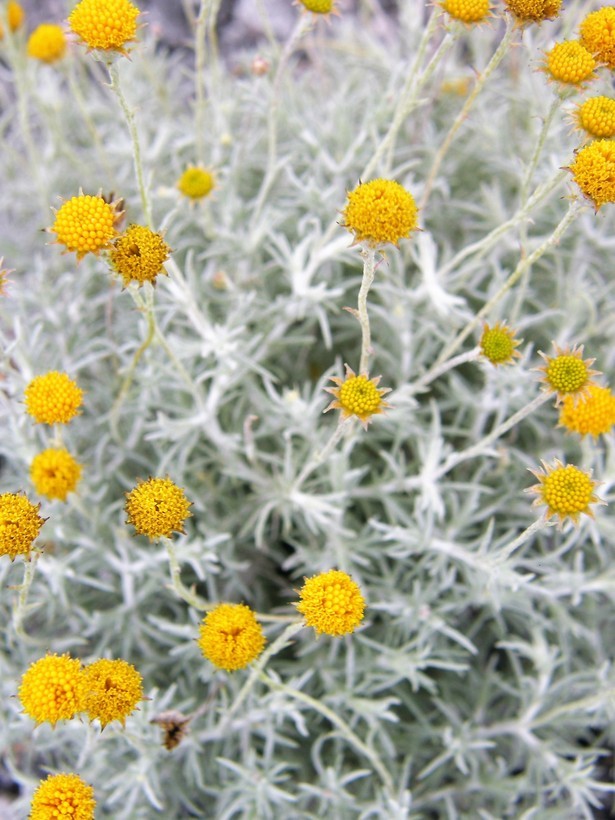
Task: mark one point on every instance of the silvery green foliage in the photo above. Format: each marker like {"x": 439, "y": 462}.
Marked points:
{"x": 482, "y": 683}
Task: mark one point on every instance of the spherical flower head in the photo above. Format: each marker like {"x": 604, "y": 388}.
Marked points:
{"x": 592, "y": 414}
{"x": 55, "y": 473}
{"x": 594, "y": 171}
{"x": 596, "y": 116}
{"x": 498, "y": 343}
{"x": 598, "y": 34}
{"x": 53, "y": 398}
{"x": 47, "y": 43}
{"x": 332, "y": 603}
{"x": 569, "y": 63}
{"x": 105, "y": 24}
{"x": 566, "y": 491}
{"x": 157, "y": 507}
{"x": 15, "y": 16}
{"x": 138, "y": 255}
{"x": 110, "y": 690}
{"x": 567, "y": 373}
{"x": 231, "y": 637}
{"x": 533, "y": 11}
{"x": 63, "y": 796}
{"x": 357, "y": 396}
{"x": 196, "y": 182}
{"x": 318, "y": 6}
{"x": 50, "y": 689}
{"x": 20, "y": 524}
{"x": 85, "y": 224}
{"x": 467, "y": 11}
{"x": 380, "y": 211}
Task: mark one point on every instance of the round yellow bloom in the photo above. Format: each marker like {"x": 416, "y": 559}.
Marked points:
{"x": 332, "y": 603}
{"x": 596, "y": 116}
{"x": 20, "y": 524}
{"x": 53, "y": 398}
{"x": 357, "y": 396}
{"x": 231, "y": 637}
{"x": 318, "y": 6}
{"x": 85, "y": 224}
{"x": 498, "y": 343}
{"x": 569, "y": 63}
{"x": 49, "y": 689}
{"x": 533, "y": 11}
{"x": 47, "y": 43}
{"x": 139, "y": 254}
{"x": 598, "y": 34}
{"x": 566, "y": 491}
{"x": 15, "y": 17}
{"x": 468, "y": 11}
{"x": 592, "y": 414}
{"x": 567, "y": 373}
{"x": 110, "y": 690}
{"x": 63, "y": 796}
{"x": 380, "y": 211}
{"x": 157, "y": 507}
{"x": 105, "y": 24}
{"x": 55, "y": 473}
{"x": 196, "y": 182}
{"x": 594, "y": 171}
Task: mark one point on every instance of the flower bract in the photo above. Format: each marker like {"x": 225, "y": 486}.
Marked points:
{"x": 49, "y": 689}
{"x": 593, "y": 170}
{"x": 567, "y": 373}
{"x": 55, "y": 473}
{"x": 196, "y": 182}
{"x": 379, "y": 212}
{"x": 498, "y": 343}
{"x": 138, "y": 255}
{"x": 63, "y": 796}
{"x": 318, "y": 6}
{"x": 231, "y": 637}
{"x": 566, "y": 491}
{"x": 47, "y": 43}
{"x": 569, "y": 63}
{"x": 592, "y": 414}
{"x": 20, "y": 524}
{"x": 357, "y": 396}
{"x": 85, "y": 224}
{"x": 533, "y": 11}
{"x": 110, "y": 690}
{"x": 467, "y": 11}
{"x": 332, "y": 603}
{"x": 157, "y": 507}
{"x": 107, "y": 25}
{"x": 598, "y": 34}
{"x": 53, "y": 398}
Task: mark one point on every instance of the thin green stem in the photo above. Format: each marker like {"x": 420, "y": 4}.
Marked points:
{"x": 191, "y": 598}
{"x": 321, "y": 455}
{"x": 19, "y": 612}
{"x": 369, "y": 266}
{"x": 504, "y": 553}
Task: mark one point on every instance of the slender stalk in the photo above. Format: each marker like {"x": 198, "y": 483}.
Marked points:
{"x": 184, "y": 593}
{"x": 199, "y": 81}
{"x": 19, "y": 611}
{"x": 369, "y": 266}
{"x": 462, "y": 358}
{"x": 505, "y": 552}
{"x": 321, "y": 455}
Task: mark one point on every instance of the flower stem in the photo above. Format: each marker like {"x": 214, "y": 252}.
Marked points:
{"x": 369, "y": 265}
{"x": 432, "y": 375}
{"x": 321, "y": 455}
{"x": 505, "y": 552}
{"x": 19, "y": 611}
{"x": 184, "y": 593}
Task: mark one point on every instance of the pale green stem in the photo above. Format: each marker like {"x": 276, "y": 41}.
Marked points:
{"x": 504, "y": 553}
{"x": 462, "y": 358}
{"x": 257, "y": 667}
{"x": 321, "y": 455}
{"x": 524, "y": 264}
{"x": 493, "y": 63}
{"x": 199, "y": 80}
{"x": 22, "y": 599}
{"x": 369, "y": 266}
{"x": 191, "y": 598}
{"x": 129, "y": 114}
{"x": 341, "y": 725}
{"x": 479, "y": 448}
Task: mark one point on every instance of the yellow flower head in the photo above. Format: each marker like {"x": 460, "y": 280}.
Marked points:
{"x": 569, "y": 63}
{"x": 467, "y": 11}
{"x": 20, "y": 524}
{"x": 110, "y": 690}
{"x": 138, "y": 255}
{"x": 157, "y": 507}
{"x": 47, "y": 43}
{"x": 567, "y": 373}
{"x": 105, "y": 24}
{"x": 15, "y": 17}
{"x": 53, "y": 398}
{"x": 318, "y": 6}
{"x": 592, "y": 414}
{"x": 49, "y": 689}
{"x": 565, "y": 490}
{"x": 380, "y": 211}
{"x": 196, "y": 182}
{"x": 63, "y": 796}
{"x": 85, "y": 224}
{"x": 593, "y": 170}
{"x": 357, "y": 396}
{"x": 231, "y": 637}
{"x": 332, "y": 603}
{"x": 598, "y": 34}
{"x": 498, "y": 343}
{"x": 55, "y": 473}
{"x": 533, "y": 11}
{"x": 596, "y": 116}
